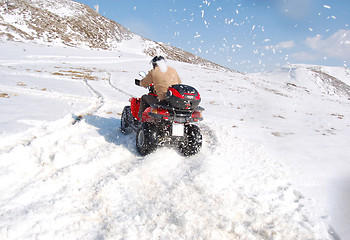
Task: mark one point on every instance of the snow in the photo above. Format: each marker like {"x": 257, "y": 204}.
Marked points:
{"x": 274, "y": 162}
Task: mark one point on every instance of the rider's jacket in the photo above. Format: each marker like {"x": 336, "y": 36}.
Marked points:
{"x": 161, "y": 80}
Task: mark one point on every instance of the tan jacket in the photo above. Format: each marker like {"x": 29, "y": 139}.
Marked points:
{"x": 161, "y": 80}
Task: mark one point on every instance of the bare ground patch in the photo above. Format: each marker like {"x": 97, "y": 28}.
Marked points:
{"x": 4, "y": 95}
{"x": 74, "y": 74}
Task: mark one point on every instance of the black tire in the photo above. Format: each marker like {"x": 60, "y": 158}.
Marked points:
{"x": 193, "y": 141}
{"x": 126, "y": 120}
{"x": 146, "y": 138}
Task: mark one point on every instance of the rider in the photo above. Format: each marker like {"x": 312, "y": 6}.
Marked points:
{"x": 162, "y": 76}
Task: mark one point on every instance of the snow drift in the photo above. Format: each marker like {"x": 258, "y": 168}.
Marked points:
{"x": 274, "y": 163}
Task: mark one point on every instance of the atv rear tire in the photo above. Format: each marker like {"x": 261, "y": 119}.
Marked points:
{"x": 193, "y": 141}
{"x": 125, "y": 121}
{"x": 146, "y": 138}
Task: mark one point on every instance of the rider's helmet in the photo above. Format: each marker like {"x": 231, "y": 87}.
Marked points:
{"x": 156, "y": 59}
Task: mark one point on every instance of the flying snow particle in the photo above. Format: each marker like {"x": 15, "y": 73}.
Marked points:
{"x": 96, "y": 7}
{"x": 326, "y": 6}
{"x": 311, "y": 30}
{"x": 229, "y": 21}
{"x": 202, "y": 13}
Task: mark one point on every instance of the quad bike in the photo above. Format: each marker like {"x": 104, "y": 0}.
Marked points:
{"x": 167, "y": 123}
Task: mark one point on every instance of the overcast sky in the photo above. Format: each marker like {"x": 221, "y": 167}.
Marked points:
{"x": 245, "y": 35}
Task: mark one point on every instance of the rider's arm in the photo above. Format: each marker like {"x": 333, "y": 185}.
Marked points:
{"x": 146, "y": 81}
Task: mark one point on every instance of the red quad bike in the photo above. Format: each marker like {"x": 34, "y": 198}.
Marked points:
{"x": 167, "y": 123}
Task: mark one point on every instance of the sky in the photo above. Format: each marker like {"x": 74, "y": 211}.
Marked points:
{"x": 245, "y": 35}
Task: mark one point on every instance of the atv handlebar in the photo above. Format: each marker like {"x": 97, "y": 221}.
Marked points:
{"x": 150, "y": 87}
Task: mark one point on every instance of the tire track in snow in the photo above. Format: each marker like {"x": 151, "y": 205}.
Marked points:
{"x": 50, "y": 130}
{"x": 115, "y": 88}
{"x": 100, "y": 96}
{"x": 31, "y": 134}
{"x": 98, "y": 104}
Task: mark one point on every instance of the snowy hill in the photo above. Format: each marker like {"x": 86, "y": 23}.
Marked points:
{"x": 274, "y": 163}
{"x": 65, "y": 22}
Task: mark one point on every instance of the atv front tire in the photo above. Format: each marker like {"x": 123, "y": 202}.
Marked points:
{"x": 146, "y": 138}
{"x": 125, "y": 123}
{"x": 193, "y": 141}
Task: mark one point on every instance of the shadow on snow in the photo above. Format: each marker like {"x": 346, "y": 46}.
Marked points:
{"x": 109, "y": 128}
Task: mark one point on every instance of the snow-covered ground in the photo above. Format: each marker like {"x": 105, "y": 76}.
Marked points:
{"x": 274, "y": 165}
